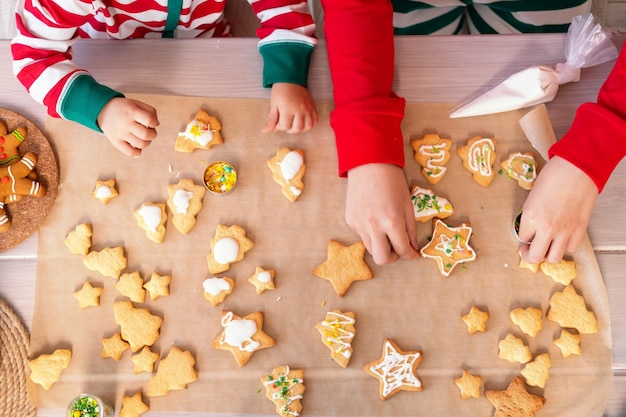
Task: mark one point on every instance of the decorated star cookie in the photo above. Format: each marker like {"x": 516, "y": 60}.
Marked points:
{"x": 202, "y": 132}
{"x": 343, "y": 266}
{"x": 144, "y": 360}
{"x": 133, "y": 406}
{"x": 175, "y": 372}
{"x": 432, "y": 152}
{"x": 78, "y": 241}
{"x": 476, "y": 320}
{"x": 138, "y": 326}
{"x": 478, "y": 157}
{"x": 88, "y": 296}
{"x": 285, "y": 388}
{"x": 426, "y": 205}
{"x": 536, "y": 372}
{"x": 151, "y": 218}
{"x": 242, "y": 335}
{"x": 449, "y": 246}
{"x": 569, "y": 310}
{"x": 338, "y": 331}
{"x": 113, "y": 347}
{"x": 288, "y": 169}
{"x": 515, "y": 401}
{"x": 46, "y": 369}
{"x": 105, "y": 191}
{"x": 469, "y": 385}
{"x": 158, "y": 286}
{"x": 263, "y": 279}
{"x": 228, "y": 245}
{"x": 185, "y": 202}
{"x": 395, "y": 370}
{"x": 522, "y": 167}
{"x": 109, "y": 261}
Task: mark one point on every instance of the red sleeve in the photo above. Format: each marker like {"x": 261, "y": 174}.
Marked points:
{"x": 367, "y": 115}
{"x": 596, "y": 141}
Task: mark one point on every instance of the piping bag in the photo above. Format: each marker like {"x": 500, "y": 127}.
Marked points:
{"x": 586, "y": 44}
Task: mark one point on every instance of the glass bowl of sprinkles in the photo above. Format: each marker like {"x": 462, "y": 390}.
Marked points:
{"x": 220, "y": 178}
{"x": 87, "y": 405}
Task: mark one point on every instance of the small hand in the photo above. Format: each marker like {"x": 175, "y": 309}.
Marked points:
{"x": 292, "y": 109}
{"x": 128, "y": 124}
{"x": 557, "y": 212}
{"x": 379, "y": 209}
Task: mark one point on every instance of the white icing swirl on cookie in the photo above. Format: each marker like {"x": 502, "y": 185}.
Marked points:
{"x": 479, "y": 156}
{"x": 239, "y": 332}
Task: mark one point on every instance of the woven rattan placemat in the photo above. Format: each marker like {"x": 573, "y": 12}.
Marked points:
{"x": 14, "y": 399}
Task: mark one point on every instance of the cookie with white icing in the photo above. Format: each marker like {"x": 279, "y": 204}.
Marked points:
{"x": 185, "y": 202}
{"x": 432, "y": 152}
{"x": 105, "y": 191}
{"x": 228, "y": 245}
{"x": 479, "y": 155}
{"x": 338, "y": 331}
{"x": 242, "y": 336}
{"x": 288, "y": 170}
{"x": 427, "y": 205}
{"x": 201, "y": 132}
{"x": 522, "y": 167}
{"x": 449, "y": 246}
{"x": 263, "y": 279}
{"x": 216, "y": 289}
{"x": 151, "y": 217}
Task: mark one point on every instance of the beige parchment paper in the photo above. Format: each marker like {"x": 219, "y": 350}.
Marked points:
{"x": 407, "y": 301}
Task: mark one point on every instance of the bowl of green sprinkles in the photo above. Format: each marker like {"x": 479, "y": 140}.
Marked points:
{"x": 86, "y": 405}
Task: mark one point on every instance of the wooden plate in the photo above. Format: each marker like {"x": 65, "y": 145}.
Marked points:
{"x": 29, "y": 213}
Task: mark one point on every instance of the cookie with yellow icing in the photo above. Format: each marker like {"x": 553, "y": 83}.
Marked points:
{"x": 432, "y": 153}
{"x": 337, "y": 331}
{"x": 479, "y": 155}
{"x": 201, "y": 132}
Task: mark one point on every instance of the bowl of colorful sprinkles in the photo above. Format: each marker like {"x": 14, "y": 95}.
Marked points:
{"x": 86, "y": 405}
{"x": 220, "y": 178}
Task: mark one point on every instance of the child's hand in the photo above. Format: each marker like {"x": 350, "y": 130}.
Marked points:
{"x": 292, "y": 109}
{"x": 128, "y": 124}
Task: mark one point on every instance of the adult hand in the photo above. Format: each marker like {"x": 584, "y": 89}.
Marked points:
{"x": 128, "y": 124}
{"x": 292, "y": 109}
{"x": 556, "y": 212}
{"x": 379, "y": 209}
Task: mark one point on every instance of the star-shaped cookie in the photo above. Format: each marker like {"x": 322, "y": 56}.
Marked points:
{"x": 88, "y": 296}
{"x": 343, "y": 266}
{"x": 242, "y": 335}
{"x": 113, "y": 347}
{"x": 569, "y": 343}
{"x": 469, "y": 385}
{"x": 133, "y": 406}
{"x": 158, "y": 286}
{"x": 263, "y": 279}
{"x": 449, "y": 246}
{"x": 476, "y": 320}
{"x": 515, "y": 401}
{"x": 395, "y": 370}
{"x": 144, "y": 360}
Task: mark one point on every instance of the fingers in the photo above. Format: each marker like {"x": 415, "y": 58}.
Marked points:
{"x": 272, "y": 121}
{"x": 146, "y": 115}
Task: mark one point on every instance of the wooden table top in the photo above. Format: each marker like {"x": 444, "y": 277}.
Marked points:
{"x": 428, "y": 69}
